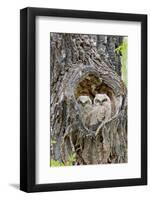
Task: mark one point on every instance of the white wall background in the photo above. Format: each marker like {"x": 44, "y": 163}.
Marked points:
{"x": 9, "y": 99}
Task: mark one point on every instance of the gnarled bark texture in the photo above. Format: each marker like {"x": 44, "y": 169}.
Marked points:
{"x": 86, "y": 65}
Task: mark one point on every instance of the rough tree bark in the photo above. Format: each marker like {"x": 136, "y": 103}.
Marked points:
{"x": 86, "y": 65}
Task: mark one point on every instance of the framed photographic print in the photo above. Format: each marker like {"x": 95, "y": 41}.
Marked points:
{"x": 83, "y": 99}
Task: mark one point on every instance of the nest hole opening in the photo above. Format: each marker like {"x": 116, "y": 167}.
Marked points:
{"x": 92, "y": 85}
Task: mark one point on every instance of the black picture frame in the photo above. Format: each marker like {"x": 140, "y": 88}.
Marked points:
{"x": 28, "y": 98}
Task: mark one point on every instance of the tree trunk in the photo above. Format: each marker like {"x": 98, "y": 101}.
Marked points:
{"x": 86, "y": 65}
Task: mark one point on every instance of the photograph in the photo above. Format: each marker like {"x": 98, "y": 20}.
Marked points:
{"x": 88, "y": 99}
{"x": 83, "y": 99}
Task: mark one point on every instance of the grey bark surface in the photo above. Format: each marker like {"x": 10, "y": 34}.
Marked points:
{"x": 86, "y": 65}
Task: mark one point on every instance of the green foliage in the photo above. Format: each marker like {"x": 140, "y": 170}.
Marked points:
{"x": 123, "y": 50}
{"x": 70, "y": 162}
{"x": 55, "y": 163}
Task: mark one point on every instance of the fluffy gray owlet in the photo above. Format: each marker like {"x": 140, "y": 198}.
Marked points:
{"x": 85, "y": 105}
{"x": 101, "y": 111}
